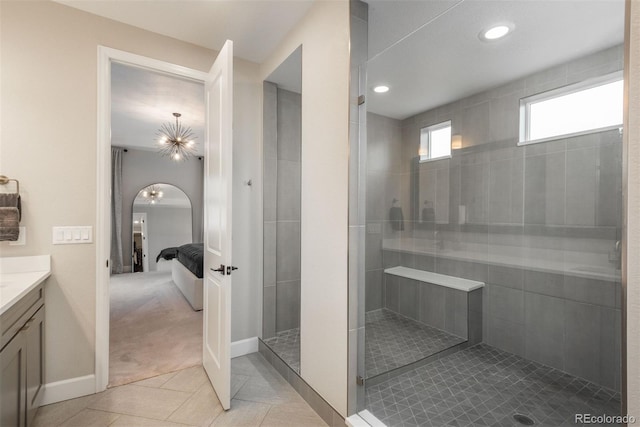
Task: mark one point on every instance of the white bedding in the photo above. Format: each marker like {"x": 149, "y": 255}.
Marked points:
{"x": 188, "y": 283}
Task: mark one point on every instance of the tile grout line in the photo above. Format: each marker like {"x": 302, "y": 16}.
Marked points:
{"x": 185, "y": 402}
{"x": 146, "y": 418}
{"x": 265, "y": 415}
{"x": 116, "y": 419}
{"x": 68, "y": 418}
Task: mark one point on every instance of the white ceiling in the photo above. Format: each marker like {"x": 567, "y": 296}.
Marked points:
{"x": 171, "y": 196}
{"x": 141, "y": 100}
{"x": 429, "y": 54}
{"x": 427, "y": 51}
{"x": 255, "y": 26}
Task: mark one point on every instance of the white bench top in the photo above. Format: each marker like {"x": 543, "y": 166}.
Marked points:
{"x": 452, "y": 282}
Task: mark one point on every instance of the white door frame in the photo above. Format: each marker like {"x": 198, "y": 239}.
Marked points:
{"x": 106, "y": 56}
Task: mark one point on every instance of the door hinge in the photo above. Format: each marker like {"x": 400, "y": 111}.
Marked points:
{"x": 107, "y": 263}
{"x": 361, "y": 100}
{"x": 359, "y": 380}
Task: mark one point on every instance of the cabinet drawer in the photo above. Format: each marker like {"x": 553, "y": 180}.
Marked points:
{"x": 13, "y": 319}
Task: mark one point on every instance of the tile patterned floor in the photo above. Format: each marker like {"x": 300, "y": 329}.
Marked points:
{"x": 392, "y": 341}
{"x": 286, "y": 344}
{"x": 260, "y": 397}
{"x": 483, "y": 386}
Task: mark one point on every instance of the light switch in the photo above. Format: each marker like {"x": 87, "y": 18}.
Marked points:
{"x": 71, "y": 235}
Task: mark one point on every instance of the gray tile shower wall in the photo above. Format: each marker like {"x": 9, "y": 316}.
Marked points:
{"x": 387, "y": 179}
{"x": 288, "y": 210}
{"x": 270, "y": 147}
{"x": 282, "y": 180}
{"x": 562, "y": 196}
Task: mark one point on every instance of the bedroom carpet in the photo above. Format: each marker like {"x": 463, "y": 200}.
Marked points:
{"x": 153, "y": 329}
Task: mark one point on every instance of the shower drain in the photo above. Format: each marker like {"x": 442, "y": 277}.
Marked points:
{"x": 523, "y": 419}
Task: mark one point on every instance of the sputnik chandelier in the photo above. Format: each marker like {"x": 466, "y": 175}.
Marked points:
{"x": 152, "y": 194}
{"x": 176, "y": 141}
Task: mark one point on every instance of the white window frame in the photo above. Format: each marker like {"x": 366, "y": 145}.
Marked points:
{"x": 525, "y": 108}
{"x": 429, "y": 129}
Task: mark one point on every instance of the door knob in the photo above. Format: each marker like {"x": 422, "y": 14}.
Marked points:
{"x": 219, "y": 270}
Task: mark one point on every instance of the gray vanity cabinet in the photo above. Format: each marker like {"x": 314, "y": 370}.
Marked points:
{"x": 22, "y": 360}
{"x": 12, "y": 382}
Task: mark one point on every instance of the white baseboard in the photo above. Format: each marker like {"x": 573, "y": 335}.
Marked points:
{"x": 243, "y": 347}
{"x": 86, "y": 385}
{"x": 69, "y": 389}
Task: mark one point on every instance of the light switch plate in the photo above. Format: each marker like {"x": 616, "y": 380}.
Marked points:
{"x": 72, "y": 235}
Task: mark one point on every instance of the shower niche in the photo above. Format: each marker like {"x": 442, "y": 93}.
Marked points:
{"x": 281, "y": 205}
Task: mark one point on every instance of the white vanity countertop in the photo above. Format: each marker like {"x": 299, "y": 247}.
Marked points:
{"x": 19, "y": 276}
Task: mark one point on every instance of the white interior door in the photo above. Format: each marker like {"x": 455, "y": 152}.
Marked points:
{"x": 217, "y": 237}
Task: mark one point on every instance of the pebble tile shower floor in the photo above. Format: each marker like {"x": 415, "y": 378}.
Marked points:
{"x": 483, "y": 386}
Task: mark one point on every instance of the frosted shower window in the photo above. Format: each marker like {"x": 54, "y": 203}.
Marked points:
{"x": 435, "y": 141}
{"x": 572, "y": 110}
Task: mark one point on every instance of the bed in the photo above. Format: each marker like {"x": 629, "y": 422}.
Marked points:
{"x": 186, "y": 272}
{"x": 164, "y": 259}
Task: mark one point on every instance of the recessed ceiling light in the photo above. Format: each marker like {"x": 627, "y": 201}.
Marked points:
{"x": 495, "y": 32}
{"x": 381, "y": 89}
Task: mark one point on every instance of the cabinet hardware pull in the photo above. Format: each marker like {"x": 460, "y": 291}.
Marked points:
{"x": 26, "y": 325}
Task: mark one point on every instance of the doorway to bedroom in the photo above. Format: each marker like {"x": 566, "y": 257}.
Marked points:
{"x": 155, "y": 286}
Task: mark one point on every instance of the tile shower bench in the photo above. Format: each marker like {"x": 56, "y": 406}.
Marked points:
{"x": 449, "y": 303}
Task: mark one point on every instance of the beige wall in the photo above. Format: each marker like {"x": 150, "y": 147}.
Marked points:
{"x": 324, "y": 36}
{"x": 631, "y": 190}
{"x": 48, "y": 142}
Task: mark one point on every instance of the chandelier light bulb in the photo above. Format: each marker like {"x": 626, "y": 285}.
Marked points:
{"x": 176, "y": 140}
{"x": 152, "y": 194}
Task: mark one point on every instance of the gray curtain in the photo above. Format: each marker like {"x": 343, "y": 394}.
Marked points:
{"x": 116, "y": 210}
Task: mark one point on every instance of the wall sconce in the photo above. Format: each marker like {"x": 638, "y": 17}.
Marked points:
{"x": 456, "y": 142}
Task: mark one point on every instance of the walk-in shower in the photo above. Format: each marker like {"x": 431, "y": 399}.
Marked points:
{"x": 493, "y": 212}
{"x": 281, "y": 204}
